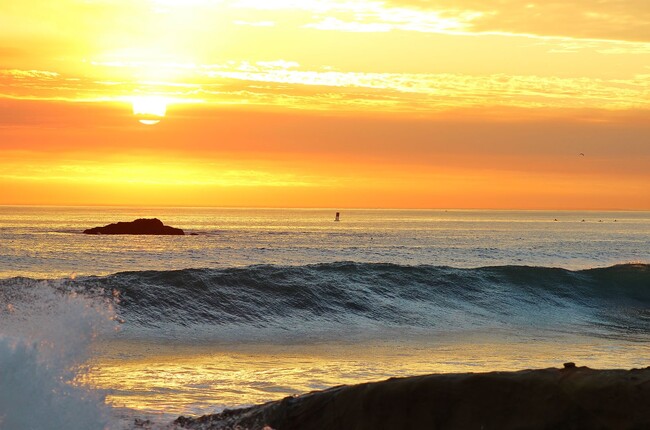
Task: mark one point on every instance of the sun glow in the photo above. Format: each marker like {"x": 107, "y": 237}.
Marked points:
{"x": 362, "y": 103}
{"x": 149, "y": 109}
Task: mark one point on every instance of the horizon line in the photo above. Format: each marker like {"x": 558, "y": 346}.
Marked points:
{"x": 333, "y": 208}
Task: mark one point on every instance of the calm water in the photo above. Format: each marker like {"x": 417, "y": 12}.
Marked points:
{"x": 262, "y": 304}
{"x": 45, "y": 242}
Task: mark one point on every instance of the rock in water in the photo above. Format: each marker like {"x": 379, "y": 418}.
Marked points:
{"x": 139, "y": 226}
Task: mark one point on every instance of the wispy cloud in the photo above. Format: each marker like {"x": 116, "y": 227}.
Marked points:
{"x": 28, "y": 74}
{"x": 605, "y": 19}
{"x": 377, "y": 18}
{"x": 162, "y": 173}
{"x": 285, "y": 83}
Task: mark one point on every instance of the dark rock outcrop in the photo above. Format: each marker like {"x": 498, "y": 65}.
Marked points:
{"x": 139, "y": 226}
{"x": 572, "y": 398}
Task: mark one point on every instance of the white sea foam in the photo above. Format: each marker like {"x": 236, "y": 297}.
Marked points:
{"x": 44, "y": 339}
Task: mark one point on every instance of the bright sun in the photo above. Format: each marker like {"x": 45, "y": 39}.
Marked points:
{"x": 149, "y": 109}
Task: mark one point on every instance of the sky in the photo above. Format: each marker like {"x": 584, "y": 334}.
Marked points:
{"x": 502, "y": 104}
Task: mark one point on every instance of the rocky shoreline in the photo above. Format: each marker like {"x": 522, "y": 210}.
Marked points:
{"x": 568, "y": 398}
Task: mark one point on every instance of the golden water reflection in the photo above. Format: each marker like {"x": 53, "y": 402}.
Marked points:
{"x": 197, "y": 380}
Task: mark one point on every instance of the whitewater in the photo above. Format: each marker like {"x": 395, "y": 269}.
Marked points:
{"x": 260, "y": 304}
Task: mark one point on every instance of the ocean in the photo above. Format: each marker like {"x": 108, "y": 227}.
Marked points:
{"x": 260, "y": 304}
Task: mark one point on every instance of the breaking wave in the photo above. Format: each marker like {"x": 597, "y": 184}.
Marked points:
{"x": 347, "y": 300}
{"x": 44, "y": 338}
{"x": 47, "y": 326}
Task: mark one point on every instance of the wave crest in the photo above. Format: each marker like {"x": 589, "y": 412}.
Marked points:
{"x": 344, "y": 299}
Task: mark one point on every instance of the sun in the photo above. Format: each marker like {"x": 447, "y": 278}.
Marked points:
{"x": 149, "y": 109}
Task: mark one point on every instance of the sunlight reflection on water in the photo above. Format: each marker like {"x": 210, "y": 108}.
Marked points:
{"x": 187, "y": 379}
{"x": 47, "y": 241}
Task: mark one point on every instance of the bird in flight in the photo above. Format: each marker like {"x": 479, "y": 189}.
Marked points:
{"x": 582, "y": 153}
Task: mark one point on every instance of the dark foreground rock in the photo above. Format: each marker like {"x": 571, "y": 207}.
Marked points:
{"x": 139, "y": 226}
{"x": 571, "y": 398}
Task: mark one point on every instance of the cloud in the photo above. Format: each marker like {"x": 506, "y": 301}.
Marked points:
{"x": 28, "y": 74}
{"x": 627, "y": 20}
{"x": 286, "y": 84}
{"x": 429, "y": 91}
{"x": 163, "y": 173}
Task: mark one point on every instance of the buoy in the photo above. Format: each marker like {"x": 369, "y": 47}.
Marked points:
{"x": 337, "y": 217}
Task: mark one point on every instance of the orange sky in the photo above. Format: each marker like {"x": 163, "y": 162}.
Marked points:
{"x": 323, "y": 103}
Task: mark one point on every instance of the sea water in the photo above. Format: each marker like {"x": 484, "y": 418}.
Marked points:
{"x": 264, "y": 303}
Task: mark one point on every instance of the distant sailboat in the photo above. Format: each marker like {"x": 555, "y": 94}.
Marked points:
{"x": 337, "y": 217}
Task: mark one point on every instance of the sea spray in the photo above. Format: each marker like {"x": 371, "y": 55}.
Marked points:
{"x": 45, "y": 332}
